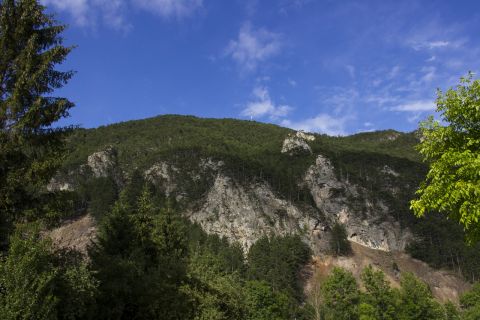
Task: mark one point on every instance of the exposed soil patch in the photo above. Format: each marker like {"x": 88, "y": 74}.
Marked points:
{"x": 445, "y": 285}
{"x": 75, "y": 234}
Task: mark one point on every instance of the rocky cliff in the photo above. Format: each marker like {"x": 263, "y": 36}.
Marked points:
{"x": 244, "y": 211}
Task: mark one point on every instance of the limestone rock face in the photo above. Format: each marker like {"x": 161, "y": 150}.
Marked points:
{"x": 59, "y": 184}
{"x": 297, "y": 143}
{"x": 373, "y": 228}
{"x": 245, "y": 214}
{"x": 103, "y": 163}
{"x": 163, "y": 173}
{"x": 245, "y": 211}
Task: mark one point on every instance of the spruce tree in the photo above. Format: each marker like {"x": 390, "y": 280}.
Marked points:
{"x": 31, "y": 46}
{"x": 339, "y": 244}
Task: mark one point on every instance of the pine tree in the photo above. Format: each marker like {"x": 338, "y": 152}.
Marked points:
{"x": 31, "y": 46}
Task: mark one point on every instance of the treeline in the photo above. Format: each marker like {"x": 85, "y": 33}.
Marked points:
{"x": 339, "y": 297}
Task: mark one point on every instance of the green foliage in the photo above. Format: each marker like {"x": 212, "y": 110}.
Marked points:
{"x": 30, "y": 149}
{"x": 139, "y": 262}
{"x": 341, "y": 299}
{"x": 264, "y": 303}
{"x": 277, "y": 260}
{"x": 339, "y": 244}
{"x": 416, "y": 300}
{"x": 378, "y": 296}
{"x": 452, "y": 150}
{"x": 229, "y": 257}
{"x": 218, "y": 294}
{"x": 28, "y": 279}
{"x": 340, "y": 296}
{"x": 440, "y": 242}
{"x": 470, "y": 303}
{"x": 39, "y": 284}
{"x": 251, "y": 152}
{"x": 101, "y": 194}
{"x": 451, "y": 311}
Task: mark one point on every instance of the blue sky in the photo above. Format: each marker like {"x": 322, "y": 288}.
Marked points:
{"x": 335, "y": 67}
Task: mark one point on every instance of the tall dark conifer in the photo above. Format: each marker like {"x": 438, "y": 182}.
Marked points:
{"x": 31, "y": 46}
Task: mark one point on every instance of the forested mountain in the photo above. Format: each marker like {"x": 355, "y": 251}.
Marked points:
{"x": 243, "y": 180}
{"x": 189, "y": 218}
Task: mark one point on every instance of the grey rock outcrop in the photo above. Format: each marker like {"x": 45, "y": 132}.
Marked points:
{"x": 244, "y": 214}
{"x": 103, "y": 163}
{"x": 297, "y": 143}
{"x": 163, "y": 174}
{"x": 373, "y": 228}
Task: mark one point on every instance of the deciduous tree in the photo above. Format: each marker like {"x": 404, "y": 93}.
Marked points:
{"x": 452, "y": 149}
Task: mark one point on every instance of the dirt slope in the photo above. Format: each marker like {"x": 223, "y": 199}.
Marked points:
{"x": 445, "y": 285}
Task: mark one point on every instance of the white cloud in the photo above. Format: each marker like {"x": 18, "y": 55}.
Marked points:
{"x": 437, "y": 44}
{"x": 263, "y": 106}
{"x": 381, "y": 99}
{"x": 253, "y": 47}
{"x": 292, "y": 82}
{"x": 170, "y": 8}
{"x": 416, "y": 106}
{"x": 322, "y": 123}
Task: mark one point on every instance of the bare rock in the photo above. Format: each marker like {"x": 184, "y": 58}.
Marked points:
{"x": 297, "y": 143}
{"x": 103, "y": 163}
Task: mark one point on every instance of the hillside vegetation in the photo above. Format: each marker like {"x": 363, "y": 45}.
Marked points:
{"x": 251, "y": 151}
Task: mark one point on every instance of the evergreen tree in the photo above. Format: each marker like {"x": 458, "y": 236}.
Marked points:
{"x": 139, "y": 261}
{"x": 339, "y": 244}
{"x": 30, "y": 148}
{"x": 278, "y": 261}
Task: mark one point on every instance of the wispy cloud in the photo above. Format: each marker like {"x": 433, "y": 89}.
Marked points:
{"x": 253, "y": 46}
{"x": 263, "y": 106}
{"x": 416, "y": 106}
{"x": 338, "y": 99}
{"x": 170, "y": 8}
{"x": 88, "y": 13}
{"x": 351, "y": 70}
{"x": 431, "y": 45}
{"x": 322, "y": 123}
